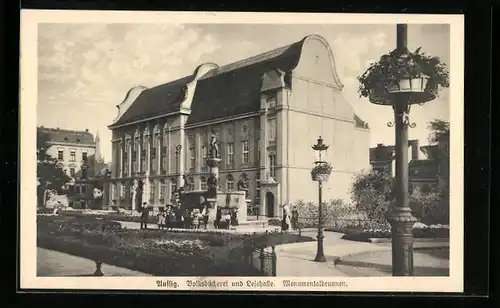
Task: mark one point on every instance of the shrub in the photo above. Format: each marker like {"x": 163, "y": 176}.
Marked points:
{"x": 332, "y": 211}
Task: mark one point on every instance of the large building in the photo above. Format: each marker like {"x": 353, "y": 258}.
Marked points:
{"x": 78, "y": 154}
{"x": 266, "y": 112}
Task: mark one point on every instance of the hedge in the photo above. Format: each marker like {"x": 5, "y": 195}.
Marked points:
{"x": 366, "y": 236}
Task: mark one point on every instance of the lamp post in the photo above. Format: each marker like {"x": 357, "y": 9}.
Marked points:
{"x": 320, "y": 173}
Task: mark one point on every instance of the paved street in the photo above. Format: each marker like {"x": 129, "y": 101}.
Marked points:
{"x": 359, "y": 259}
{"x": 54, "y": 263}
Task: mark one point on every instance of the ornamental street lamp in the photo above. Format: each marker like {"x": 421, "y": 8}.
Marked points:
{"x": 320, "y": 173}
{"x": 402, "y": 94}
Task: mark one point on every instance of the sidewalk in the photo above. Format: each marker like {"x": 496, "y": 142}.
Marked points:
{"x": 297, "y": 259}
{"x": 52, "y": 263}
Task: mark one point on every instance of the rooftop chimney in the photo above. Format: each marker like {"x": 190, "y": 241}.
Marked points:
{"x": 86, "y": 130}
{"x": 379, "y": 145}
{"x": 414, "y": 149}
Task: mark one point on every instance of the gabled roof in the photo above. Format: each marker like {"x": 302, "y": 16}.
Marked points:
{"x": 57, "y": 135}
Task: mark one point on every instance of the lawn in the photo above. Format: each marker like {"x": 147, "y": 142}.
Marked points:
{"x": 155, "y": 252}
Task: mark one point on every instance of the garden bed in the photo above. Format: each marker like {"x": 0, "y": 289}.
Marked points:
{"x": 155, "y": 252}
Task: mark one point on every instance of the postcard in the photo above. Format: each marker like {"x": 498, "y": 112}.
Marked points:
{"x": 230, "y": 151}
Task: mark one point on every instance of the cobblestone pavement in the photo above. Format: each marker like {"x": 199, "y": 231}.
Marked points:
{"x": 57, "y": 264}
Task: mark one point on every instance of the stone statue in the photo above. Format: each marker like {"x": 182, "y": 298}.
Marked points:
{"x": 243, "y": 183}
{"x": 214, "y": 147}
{"x": 134, "y": 194}
{"x": 212, "y": 186}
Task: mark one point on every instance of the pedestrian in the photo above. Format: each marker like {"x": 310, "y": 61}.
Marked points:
{"x": 195, "y": 219}
{"x": 144, "y": 216}
{"x": 295, "y": 218}
{"x": 204, "y": 213}
{"x": 162, "y": 219}
{"x": 187, "y": 220}
{"x": 285, "y": 222}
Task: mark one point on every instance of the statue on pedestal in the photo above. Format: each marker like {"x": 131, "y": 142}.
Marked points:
{"x": 134, "y": 194}
{"x": 214, "y": 147}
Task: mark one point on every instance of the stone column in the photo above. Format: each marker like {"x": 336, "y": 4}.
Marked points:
{"x": 138, "y": 155}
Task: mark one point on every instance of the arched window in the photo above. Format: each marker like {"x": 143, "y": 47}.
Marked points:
{"x": 229, "y": 182}
{"x": 203, "y": 183}
{"x": 151, "y": 191}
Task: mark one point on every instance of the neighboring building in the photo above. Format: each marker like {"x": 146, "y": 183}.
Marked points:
{"x": 266, "y": 111}
{"x": 427, "y": 173}
{"x": 78, "y": 153}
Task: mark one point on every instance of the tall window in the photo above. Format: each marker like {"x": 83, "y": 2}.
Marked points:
{"x": 257, "y": 188}
{"x": 72, "y": 172}
{"x": 244, "y": 152}
{"x": 84, "y": 156}
{"x": 204, "y": 154}
{"x": 72, "y": 156}
{"x": 163, "y": 187}
{"x": 203, "y": 183}
{"x": 134, "y": 157}
{"x": 125, "y": 163}
{"x": 154, "y": 162}
{"x": 144, "y": 154}
{"x": 230, "y": 153}
{"x": 272, "y": 165}
{"x": 164, "y": 160}
{"x": 84, "y": 189}
{"x": 60, "y": 155}
{"x": 244, "y": 129}
{"x": 272, "y": 129}
{"x": 229, "y": 182}
{"x": 152, "y": 191}
{"x": 84, "y": 172}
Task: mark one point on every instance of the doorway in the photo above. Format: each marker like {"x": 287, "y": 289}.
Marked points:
{"x": 269, "y": 204}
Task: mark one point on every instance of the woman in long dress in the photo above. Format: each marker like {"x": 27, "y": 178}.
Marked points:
{"x": 285, "y": 223}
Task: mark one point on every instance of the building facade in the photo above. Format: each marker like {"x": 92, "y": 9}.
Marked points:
{"x": 78, "y": 154}
{"x": 426, "y": 173}
{"x": 266, "y": 112}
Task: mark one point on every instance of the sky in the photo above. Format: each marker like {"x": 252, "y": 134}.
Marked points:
{"x": 85, "y": 70}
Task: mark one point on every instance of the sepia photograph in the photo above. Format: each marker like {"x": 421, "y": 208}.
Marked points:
{"x": 192, "y": 151}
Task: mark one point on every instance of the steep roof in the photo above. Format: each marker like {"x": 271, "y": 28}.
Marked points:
{"x": 57, "y": 135}
{"x": 229, "y": 90}
{"x": 155, "y": 101}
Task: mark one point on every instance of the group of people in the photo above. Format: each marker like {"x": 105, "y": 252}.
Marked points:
{"x": 173, "y": 217}
{"x": 290, "y": 219}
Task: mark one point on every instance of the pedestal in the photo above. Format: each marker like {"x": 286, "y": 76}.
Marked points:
{"x": 402, "y": 242}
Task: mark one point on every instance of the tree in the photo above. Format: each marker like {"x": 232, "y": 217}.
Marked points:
{"x": 372, "y": 193}
{"x": 49, "y": 174}
{"x": 440, "y": 131}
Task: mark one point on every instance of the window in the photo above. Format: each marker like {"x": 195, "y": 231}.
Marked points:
{"x": 84, "y": 156}
{"x": 204, "y": 155}
{"x": 244, "y": 129}
{"x": 164, "y": 160}
{"x": 72, "y": 156}
{"x": 257, "y": 188}
{"x": 272, "y": 130}
{"x": 84, "y": 173}
{"x": 163, "y": 187}
{"x": 84, "y": 189}
{"x": 271, "y": 103}
{"x": 72, "y": 172}
{"x": 152, "y": 188}
{"x": 244, "y": 151}
{"x": 230, "y": 153}
{"x": 192, "y": 160}
{"x": 60, "y": 155}
{"x": 229, "y": 182}
{"x": 113, "y": 191}
{"x": 272, "y": 165}
{"x": 125, "y": 163}
{"x": 173, "y": 187}
{"x": 203, "y": 183}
